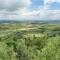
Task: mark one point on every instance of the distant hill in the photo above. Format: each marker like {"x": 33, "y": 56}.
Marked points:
{"x": 29, "y": 21}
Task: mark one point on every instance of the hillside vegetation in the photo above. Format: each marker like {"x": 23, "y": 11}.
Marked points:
{"x": 33, "y": 41}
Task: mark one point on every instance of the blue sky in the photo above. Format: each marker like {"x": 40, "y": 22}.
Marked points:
{"x": 30, "y": 9}
{"x": 51, "y": 6}
{"x": 35, "y": 4}
{"x": 54, "y": 6}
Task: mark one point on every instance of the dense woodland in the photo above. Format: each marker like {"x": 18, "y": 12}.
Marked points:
{"x": 29, "y": 41}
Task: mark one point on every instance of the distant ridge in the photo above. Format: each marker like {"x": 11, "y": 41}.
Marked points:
{"x": 30, "y": 21}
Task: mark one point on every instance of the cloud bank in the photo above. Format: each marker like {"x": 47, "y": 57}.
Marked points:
{"x": 19, "y": 9}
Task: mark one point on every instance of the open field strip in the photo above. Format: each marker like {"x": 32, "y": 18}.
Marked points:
{"x": 4, "y": 33}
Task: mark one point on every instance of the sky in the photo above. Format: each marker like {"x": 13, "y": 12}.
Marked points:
{"x": 30, "y": 9}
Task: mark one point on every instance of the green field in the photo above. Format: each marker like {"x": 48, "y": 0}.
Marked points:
{"x": 30, "y": 41}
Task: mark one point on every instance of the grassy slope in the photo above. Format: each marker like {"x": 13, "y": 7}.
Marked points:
{"x": 29, "y": 41}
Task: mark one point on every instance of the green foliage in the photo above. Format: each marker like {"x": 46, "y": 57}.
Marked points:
{"x": 33, "y": 42}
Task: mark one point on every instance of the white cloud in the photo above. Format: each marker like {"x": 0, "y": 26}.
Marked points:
{"x": 51, "y": 14}
{"x": 51, "y": 1}
{"x": 12, "y": 5}
{"x": 13, "y": 8}
{"x": 17, "y": 9}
